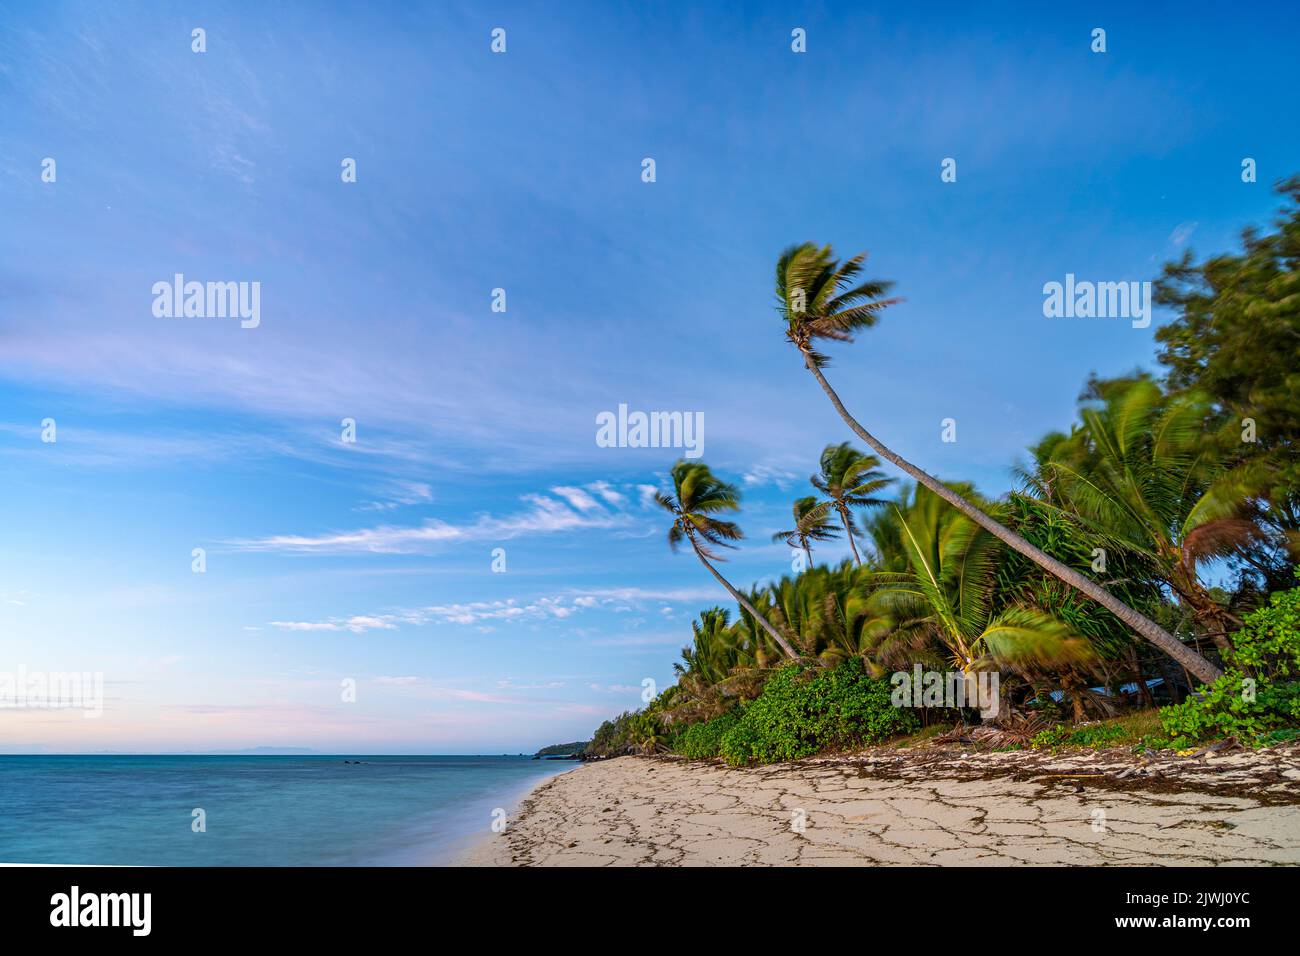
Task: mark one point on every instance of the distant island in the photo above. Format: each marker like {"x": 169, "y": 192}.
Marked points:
{"x": 562, "y": 751}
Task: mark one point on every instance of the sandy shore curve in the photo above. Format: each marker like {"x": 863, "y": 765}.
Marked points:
{"x": 894, "y": 808}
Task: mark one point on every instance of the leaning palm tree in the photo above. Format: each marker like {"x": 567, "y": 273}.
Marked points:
{"x": 697, "y": 496}
{"x": 848, "y": 479}
{"x": 821, "y": 298}
{"x": 811, "y": 523}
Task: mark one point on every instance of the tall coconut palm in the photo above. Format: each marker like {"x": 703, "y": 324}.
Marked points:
{"x": 848, "y": 479}
{"x": 821, "y": 298}
{"x": 697, "y": 497}
{"x": 811, "y": 523}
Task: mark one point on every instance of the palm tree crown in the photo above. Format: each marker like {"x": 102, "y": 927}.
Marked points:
{"x": 811, "y": 523}
{"x": 697, "y": 496}
{"x": 820, "y": 300}
{"x": 849, "y": 479}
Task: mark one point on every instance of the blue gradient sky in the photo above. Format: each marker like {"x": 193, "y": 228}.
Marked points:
{"x": 476, "y": 429}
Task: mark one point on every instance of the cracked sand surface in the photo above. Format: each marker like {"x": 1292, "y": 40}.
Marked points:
{"x": 913, "y": 808}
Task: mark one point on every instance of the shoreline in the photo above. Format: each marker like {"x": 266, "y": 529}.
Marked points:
{"x": 459, "y": 848}
{"x": 925, "y": 807}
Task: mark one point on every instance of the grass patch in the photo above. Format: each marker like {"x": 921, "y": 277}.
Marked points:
{"x": 1130, "y": 730}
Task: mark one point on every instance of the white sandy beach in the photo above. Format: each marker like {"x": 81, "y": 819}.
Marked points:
{"x": 899, "y": 808}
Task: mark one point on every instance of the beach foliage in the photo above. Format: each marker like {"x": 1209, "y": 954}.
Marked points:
{"x": 1260, "y": 691}
{"x": 821, "y": 299}
{"x": 703, "y": 741}
{"x": 1141, "y": 560}
{"x": 806, "y": 709}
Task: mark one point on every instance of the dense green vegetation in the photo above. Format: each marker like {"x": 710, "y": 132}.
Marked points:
{"x": 1260, "y": 691}
{"x": 564, "y": 750}
{"x": 803, "y": 711}
{"x": 704, "y": 740}
{"x": 1145, "y": 556}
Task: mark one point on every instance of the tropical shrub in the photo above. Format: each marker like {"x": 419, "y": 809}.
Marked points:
{"x": 646, "y": 732}
{"x": 804, "y": 710}
{"x": 637, "y": 731}
{"x": 611, "y": 738}
{"x": 701, "y": 741}
{"x": 1260, "y": 691}
{"x": 1064, "y": 735}
{"x": 1224, "y": 709}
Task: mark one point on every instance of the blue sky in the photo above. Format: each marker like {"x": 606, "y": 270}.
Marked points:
{"x": 372, "y": 561}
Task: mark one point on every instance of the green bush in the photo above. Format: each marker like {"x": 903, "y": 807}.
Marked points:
{"x": 804, "y": 710}
{"x": 701, "y": 741}
{"x": 1063, "y": 735}
{"x": 1057, "y": 735}
{"x": 1226, "y": 709}
{"x": 1259, "y": 692}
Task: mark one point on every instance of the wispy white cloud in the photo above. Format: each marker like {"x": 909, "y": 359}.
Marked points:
{"x": 400, "y": 494}
{"x": 641, "y": 595}
{"x": 385, "y": 539}
{"x": 769, "y": 475}
{"x": 577, "y": 498}
{"x": 607, "y": 491}
{"x": 544, "y": 515}
{"x": 357, "y": 624}
{"x": 474, "y": 612}
{"x": 510, "y": 684}
{"x": 508, "y": 610}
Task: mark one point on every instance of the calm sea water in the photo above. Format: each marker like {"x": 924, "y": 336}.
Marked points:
{"x": 261, "y": 811}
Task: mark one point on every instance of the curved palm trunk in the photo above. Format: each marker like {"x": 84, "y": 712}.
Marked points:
{"x": 1216, "y": 620}
{"x": 1140, "y": 623}
{"x": 848, "y": 531}
{"x": 763, "y": 622}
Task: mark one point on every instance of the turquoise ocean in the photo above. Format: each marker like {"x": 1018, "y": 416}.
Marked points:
{"x": 257, "y": 810}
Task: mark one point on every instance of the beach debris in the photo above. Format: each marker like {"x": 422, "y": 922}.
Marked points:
{"x": 1213, "y": 748}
